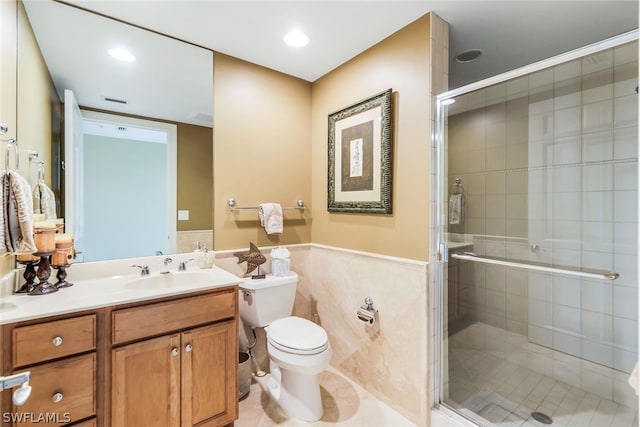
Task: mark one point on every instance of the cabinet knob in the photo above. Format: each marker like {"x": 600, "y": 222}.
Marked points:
{"x": 174, "y": 351}
{"x": 188, "y": 348}
{"x": 57, "y": 397}
{"x": 57, "y": 341}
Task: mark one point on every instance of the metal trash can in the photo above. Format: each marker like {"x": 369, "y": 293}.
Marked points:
{"x": 244, "y": 375}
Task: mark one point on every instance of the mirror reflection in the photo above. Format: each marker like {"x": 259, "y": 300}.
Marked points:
{"x": 132, "y": 175}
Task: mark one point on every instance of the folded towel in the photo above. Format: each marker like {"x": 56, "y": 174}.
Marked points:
{"x": 456, "y": 209}
{"x": 16, "y": 218}
{"x": 44, "y": 201}
{"x": 271, "y": 217}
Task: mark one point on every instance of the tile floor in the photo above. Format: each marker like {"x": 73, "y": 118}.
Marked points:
{"x": 345, "y": 404}
{"x": 496, "y": 392}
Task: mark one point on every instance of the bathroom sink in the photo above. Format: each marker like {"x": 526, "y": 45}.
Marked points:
{"x": 169, "y": 280}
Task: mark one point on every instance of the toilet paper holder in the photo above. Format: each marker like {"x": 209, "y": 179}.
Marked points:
{"x": 366, "y": 313}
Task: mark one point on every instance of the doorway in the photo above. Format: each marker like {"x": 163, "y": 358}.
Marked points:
{"x": 125, "y": 187}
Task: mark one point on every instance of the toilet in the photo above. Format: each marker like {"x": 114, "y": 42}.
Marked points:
{"x": 298, "y": 348}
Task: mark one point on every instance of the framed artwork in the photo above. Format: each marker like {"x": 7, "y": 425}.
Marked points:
{"x": 360, "y": 161}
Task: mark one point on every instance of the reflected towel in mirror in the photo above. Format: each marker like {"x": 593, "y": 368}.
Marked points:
{"x": 44, "y": 201}
{"x": 271, "y": 217}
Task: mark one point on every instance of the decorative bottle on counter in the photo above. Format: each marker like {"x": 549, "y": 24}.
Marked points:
{"x": 206, "y": 258}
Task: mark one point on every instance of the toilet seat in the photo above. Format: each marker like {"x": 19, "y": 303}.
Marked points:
{"x": 298, "y": 336}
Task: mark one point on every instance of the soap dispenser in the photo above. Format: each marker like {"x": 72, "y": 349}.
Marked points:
{"x": 206, "y": 258}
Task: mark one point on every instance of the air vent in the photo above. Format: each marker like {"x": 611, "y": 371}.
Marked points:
{"x": 117, "y": 101}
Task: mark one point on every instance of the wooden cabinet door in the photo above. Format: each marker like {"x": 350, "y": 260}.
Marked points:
{"x": 209, "y": 380}
{"x": 146, "y": 383}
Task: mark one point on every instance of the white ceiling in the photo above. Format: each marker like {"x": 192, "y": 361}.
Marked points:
{"x": 511, "y": 33}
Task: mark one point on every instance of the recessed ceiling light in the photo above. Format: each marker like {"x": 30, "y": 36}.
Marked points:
{"x": 448, "y": 101}
{"x": 468, "y": 56}
{"x": 122, "y": 54}
{"x": 296, "y": 38}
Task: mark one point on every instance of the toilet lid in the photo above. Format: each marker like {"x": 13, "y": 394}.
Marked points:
{"x": 297, "y": 335}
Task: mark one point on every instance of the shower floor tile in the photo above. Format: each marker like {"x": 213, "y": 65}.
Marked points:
{"x": 345, "y": 404}
{"x": 493, "y": 391}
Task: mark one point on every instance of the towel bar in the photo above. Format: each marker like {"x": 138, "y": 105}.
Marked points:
{"x": 234, "y": 207}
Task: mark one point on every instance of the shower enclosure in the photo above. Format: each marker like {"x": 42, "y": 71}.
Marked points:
{"x": 537, "y": 183}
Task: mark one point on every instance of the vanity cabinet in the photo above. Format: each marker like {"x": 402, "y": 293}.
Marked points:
{"x": 61, "y": 356}
{"x": 168, "y": 361}
{"x": 184, "y": 377}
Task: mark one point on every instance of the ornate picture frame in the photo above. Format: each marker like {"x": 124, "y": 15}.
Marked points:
{"x": 360, "y": 156}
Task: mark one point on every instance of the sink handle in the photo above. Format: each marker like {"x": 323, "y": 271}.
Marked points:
{"x": 182, "y": 266}
{"x": 144, "y": 269}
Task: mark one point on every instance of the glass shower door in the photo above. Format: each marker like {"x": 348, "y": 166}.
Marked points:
{"x": 540, "y": 311}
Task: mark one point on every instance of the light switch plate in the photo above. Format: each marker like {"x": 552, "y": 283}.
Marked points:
{"x": 183, "y": 215}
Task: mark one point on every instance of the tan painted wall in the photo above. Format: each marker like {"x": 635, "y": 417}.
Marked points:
{"x": 32, "y": 116}
{"x": 195, "y": 176}
{"x": 39, "y": 112}
{"x": 8, "y": 52}
{"x": 38, "y": 105}
{"x": 8, "y": 40}
{"x": 400, "y": 62}
{"x": 262, "y": 146}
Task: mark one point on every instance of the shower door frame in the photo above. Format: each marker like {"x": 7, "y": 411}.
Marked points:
{"x": 439, "y": 251}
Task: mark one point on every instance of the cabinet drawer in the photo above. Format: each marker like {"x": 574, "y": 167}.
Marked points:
{"x": 153, "y": 319}
{"x": 51, "y": 340}
{"x": 64, "y": 391}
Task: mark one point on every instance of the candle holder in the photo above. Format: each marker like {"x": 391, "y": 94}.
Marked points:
{"x": 61, "y": 275}
{"x": 29, "y": 276}
{"x": 43, "y": 273}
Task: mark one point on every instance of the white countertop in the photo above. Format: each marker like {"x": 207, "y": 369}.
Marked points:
{"x": 109, "y": 283}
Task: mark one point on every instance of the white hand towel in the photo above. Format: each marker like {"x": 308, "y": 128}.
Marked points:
{"x": 44, "y": 201}
{"x": 271, "y": 217}
{"x": 17, "y": 214}
{"x": 456, "y": 209}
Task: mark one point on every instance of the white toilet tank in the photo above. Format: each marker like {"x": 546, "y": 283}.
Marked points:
{"x": 263, "y": 301}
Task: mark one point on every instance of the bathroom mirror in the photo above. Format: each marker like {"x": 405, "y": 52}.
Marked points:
{"x": 169, "y": 82}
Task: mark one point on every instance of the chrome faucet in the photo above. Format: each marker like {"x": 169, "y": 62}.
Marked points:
{"x": 165, "y": 263}
{"x": 144, "y": 269}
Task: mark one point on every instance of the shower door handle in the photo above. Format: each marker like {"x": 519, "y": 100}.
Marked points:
{"x": 471, "y": 256}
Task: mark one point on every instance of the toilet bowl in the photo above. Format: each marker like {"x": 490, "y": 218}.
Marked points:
{"x": 298, "y": 349}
